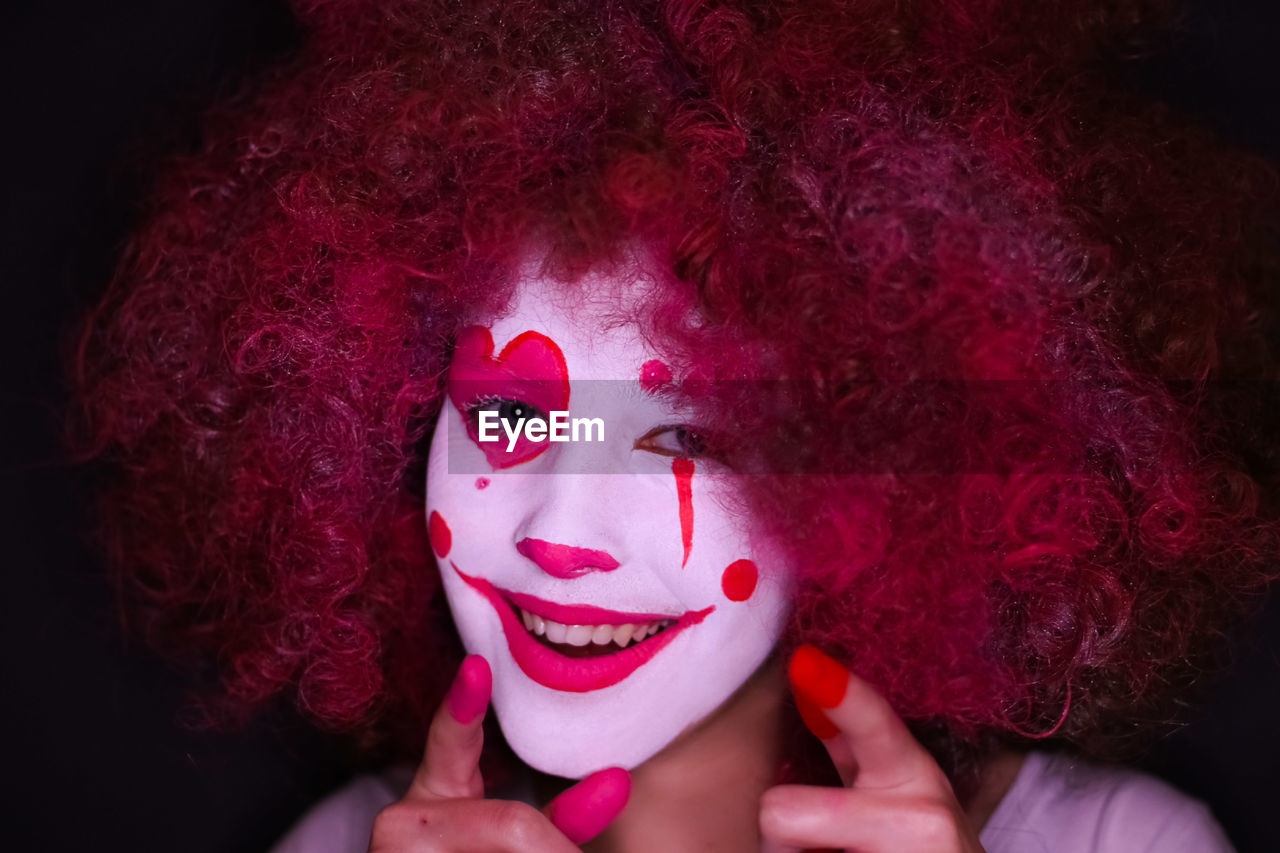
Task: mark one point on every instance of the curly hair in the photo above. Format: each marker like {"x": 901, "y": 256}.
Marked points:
{"x": 1005, "y": 299}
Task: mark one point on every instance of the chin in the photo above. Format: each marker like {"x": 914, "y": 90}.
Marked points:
{"x": 574, "y": 735}
{"x": 576, "y": 748}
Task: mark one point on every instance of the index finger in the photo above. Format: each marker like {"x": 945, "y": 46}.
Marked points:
{"x": 869, "y": 744}
{"x": 451, "y": 761}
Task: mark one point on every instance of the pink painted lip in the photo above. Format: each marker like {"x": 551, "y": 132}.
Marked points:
{"x": 575, "y": 675}
{"x": 579, "y": 614}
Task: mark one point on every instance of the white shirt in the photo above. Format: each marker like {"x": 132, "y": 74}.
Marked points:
{"x": 1056, "y": 805}
{"x": 1059, "y": 804}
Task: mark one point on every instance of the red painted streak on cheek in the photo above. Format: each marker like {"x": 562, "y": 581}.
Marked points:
{"x": 739, "y": 580}
{"x": 654, "y": 376}
{"x": 683, "y": 470}
{"x": 482, "y": 482}
{"x": 439, "y": 534}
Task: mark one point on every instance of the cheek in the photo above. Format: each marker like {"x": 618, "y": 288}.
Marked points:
{"x": 439, "y": 534}
{"x": 739, "y": 580}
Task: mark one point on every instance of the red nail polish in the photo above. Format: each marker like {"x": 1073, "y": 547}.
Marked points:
{"x": 818, "y": 682}
{"x": 469, "y": 694}
{"x": 583, "y": 811}
{"x": 816, "y": 721}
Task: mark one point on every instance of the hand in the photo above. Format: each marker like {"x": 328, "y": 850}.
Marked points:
{"x": 895, "y": 798}
{"x": 445, "y": 809}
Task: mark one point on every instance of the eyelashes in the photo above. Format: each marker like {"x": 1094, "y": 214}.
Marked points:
{"x": 675, "y": 440}
{"x": 509, "y": 410}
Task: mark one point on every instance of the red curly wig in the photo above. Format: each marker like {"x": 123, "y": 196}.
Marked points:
{"x": 860, "y": 198}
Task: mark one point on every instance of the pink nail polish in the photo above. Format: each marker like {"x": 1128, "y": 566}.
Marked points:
{"x": 469, "y": 695}
{"x": 583, "y": 811}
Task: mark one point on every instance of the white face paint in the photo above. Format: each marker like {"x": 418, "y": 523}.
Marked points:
{"x": 592, "y": 539}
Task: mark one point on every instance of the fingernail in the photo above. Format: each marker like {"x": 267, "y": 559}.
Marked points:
{"x": 820, "y": 678}
{"x": 816, "y": 721}
{"x": 469, "y": 694}
{"x": 818, "y": 682}
{"x": 583, "y": 811}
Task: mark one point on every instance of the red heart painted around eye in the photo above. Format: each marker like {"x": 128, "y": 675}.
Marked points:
{"x": 530, "y": 369}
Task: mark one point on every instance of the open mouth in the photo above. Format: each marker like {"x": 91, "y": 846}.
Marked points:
{"x": 579, "y": 648}
{"x": 581, "y": 641}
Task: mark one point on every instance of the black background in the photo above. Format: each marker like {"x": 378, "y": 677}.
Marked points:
{"x": 93, "y": 755}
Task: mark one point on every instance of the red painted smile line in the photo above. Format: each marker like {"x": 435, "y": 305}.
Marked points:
{"x": 574, "y": 675}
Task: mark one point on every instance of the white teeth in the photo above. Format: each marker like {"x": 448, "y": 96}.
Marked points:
{"x": 622, "y": 634}
{"x": 556, "y": 632}
{"x": 583, "y": 635}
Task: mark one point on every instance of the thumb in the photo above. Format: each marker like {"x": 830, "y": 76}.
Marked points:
{"x": 583, "y": 811}
{"x": 768, "y": 845}
{"x": 451, "y": 762}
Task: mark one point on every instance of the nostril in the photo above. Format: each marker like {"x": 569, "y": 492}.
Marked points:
{"x": 565, "y": 561}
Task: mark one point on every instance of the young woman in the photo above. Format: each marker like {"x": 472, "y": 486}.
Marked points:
{"x": 906, "y": 338}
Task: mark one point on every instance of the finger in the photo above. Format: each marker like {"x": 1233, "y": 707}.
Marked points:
{"x": 583, "y": 811}
{"x": 866, "y": 821}
{"x": 868, "y": 743}
{"x": 451, "y": 763}
{"x": 768, "y": 846}
{"x": 466, "y": 826}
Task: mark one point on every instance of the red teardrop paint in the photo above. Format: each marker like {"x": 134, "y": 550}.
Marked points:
{"x": 683, "y": 470}
{"x": 439, "y": 534}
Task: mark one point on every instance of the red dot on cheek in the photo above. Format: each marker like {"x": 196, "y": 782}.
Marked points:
{"x": 439, "y": 534}
{"x": 739, "y": 580}
{"x": 482, "y": 482}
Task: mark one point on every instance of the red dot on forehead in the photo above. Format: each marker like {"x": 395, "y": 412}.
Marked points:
{"x": 482, "y": 482}
{"x": 654, "y": 375}
{"x": 739, "y": 580}
{"x": 439, "y": 534}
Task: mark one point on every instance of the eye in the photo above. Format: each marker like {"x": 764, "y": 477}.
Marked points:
{"x": 508, "y": 410}
{"x": 673, "y": 440}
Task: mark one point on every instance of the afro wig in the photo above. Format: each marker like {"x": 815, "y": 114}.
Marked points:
{"x": 1018, "y": 321}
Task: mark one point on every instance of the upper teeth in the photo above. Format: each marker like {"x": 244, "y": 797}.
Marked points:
{"x": 581, "y": 635}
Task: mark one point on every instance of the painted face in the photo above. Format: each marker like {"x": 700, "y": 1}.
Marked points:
{"x": 617, "y": 601}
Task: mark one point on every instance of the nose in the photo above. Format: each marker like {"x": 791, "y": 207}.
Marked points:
{"x": 565, "y": 561}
